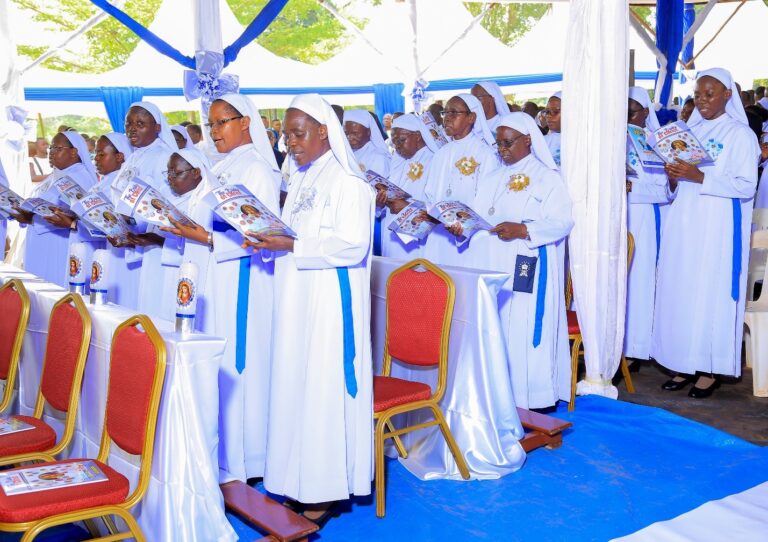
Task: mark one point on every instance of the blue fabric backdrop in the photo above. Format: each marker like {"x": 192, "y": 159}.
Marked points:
{"x": 388, "y": 98}
{"x": 689, "y": 16}
{"x": 669, "y": 39}
{"x": 117, "y": 100}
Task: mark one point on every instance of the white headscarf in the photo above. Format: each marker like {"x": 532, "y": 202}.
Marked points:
{"x": 412, "y": 123}
{"x": 523, "y": 123}
{"x": 209, "y": 181}
{"x": 165, "y": 131}
{"x": 363, "y": 117}
{"x": 178, "y": 128}
{"x": 120, "y": 143}
{"x": 733, "y": 108}
{"x": 78, "y": 142}
{"x": 763, "y": 102}
{"x": 498, "y": 96}
{"x": 480, "y": 128}
{"x": 320, "y": 110}
{"x": 640, "y": 95}
{"x": 256, "y": 128}
{"x": 558, "y": 95}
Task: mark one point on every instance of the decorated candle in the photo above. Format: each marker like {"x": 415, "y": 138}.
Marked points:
{"x": 99, "y": 277}
{"x": 186, "y": 297}
{"x": 76, "y": 270}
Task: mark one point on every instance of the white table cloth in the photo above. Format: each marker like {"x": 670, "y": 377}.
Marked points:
{"x": 183, "y": 502}
{"x": 478, "y": 403}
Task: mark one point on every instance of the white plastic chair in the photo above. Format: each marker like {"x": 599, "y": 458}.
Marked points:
{"x": 758, "y": 255}
{"x": 759, "y": 219}
{"x": 756, "y": 327}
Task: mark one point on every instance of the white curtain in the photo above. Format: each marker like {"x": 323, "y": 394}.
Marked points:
{"x": 594, "y": 113}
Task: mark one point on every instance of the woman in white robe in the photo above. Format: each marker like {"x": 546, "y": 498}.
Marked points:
{"x": 552, "y": 116}
{"x": 647, "y": 194}
{"x": 528, "y": 204}
{"x": 414, "y": 150}
{"x": 761, "y": 200}
{"x": 702, "y": 272}
{"x": 459, "y": 171}
{"x": 493, "y": 101}
{"x": 321, "y": 413}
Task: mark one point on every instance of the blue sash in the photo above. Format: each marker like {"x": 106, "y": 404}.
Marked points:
{"x": 349, "y": 330}
{"x": 241, "y": 334}
{"x": 736, "y": 264}
{"x": 541, "y": 291}
{"x": 657, "y": 220}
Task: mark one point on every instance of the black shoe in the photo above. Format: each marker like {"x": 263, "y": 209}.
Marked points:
{"x": 675, "y": 385}
{"x": 634, "y": 366}
{"x": 332, "y": 512}
{"x": 703, "y": 393}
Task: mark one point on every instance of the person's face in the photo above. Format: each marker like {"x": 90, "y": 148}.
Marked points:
{"x": 457, "y": 118}
{"x": 357, "y": 135}
{"x": 265, "y": 122}
{"x": 407, "y": 143}
{"x": 194, "y": 135}
{"x": 387, "y": 122}
{"x": 552, "y": 114}
{"x": 107, "y": 158}
{"x": 277, "y": 125}
{"x": 489, "y": 106}
{"x": 513, "y": 146}
{"x": 62, "y": 154}
{"x": 745, "y": 98}
{"x": 94, "y": 273}
{"x": 271, "y": 137}
{"x": 229, "y": 129}
{"x": 710, "y": 97}
{"x": 41, "y": 146}
{"x": 182, "y": 177}
{"x": 636, "y": 113}
{"x": 437, "y": 113}
{"x": 180, "y": 141}
{"x": 72, "y": 267}
{"x": 140, "y": 127}
{"x": 531, "y": 109}
{"x": 305, "y": 138}
{"x": 685, "y": 112}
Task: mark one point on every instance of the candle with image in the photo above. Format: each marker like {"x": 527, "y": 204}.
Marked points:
{"x": 76, "y": 272}
{"x": 99, "y": 277}
{"x": 186, "y": 297}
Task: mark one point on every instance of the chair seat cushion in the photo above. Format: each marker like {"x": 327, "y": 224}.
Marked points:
{"x": 573, "y": 323}
{"x": 41, "y": 504}
{"x": 390, "y": 392}
{"x": 39, "y": 439}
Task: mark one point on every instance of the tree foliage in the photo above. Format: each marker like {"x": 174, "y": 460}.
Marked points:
{"x": 109, "y": 42}
{"x": 509, "y": 22}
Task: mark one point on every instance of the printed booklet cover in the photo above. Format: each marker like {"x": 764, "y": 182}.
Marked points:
{"x": 100, "y": 217}
{"x": 141, "y": 201}
{"x": 676, "y": 141}
{"x": 235, "y": 204}
{"x": 45, "y": 477}
{"x": 644, "y": 152}
{"x": 410, "y": 223}
{"x": 380, "y": 183}
{"x": 9, "y": 424}
{"x": 455, "y": 212}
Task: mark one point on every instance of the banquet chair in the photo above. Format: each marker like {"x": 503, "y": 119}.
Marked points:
{"x": 14, "y": 306}
{"x": 69, "y": 336}
{"x": 758, "y": 255}
{"x": 136, "y": 375}
{"x": 756, "y": 328}
{"x": 574, "y": 333}
{"x": 759, "y": 219}
{"x": 418, "y": 323}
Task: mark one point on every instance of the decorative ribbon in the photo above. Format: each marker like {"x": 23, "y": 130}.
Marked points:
{"x": 182, "y": 315}
{"x": 736, "y": 264}
{"x": 241, "y": 334}
{"x": 77, "y": 283}
{"x": 267, "y": 14}
{"x": 17, "y": 129}
{"x": 541, "y": 290}
{"x": 98, "y": 291}
{"x": 349, "y": 330}
{"x": 207, "y": 82}
{"x": 419, "y": 94}
{"x": 657, "y": 220}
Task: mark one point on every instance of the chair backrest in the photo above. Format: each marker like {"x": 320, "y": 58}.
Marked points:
{"x": 136, "y": 375}
{"x": 760, "y": 219}
{"x": 759, "y": 241}
{"x": 14, "y": 308}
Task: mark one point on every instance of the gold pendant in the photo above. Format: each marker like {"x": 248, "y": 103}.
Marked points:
{"x": 466, "y": 166}
{"x": 415, "y": 171}
{"x": 518, "y": 182}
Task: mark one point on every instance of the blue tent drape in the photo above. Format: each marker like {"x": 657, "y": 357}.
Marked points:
{"x": 117, "y": 100}
{"x": 669, "y": 40}
{"x": 689, "y": 16}
{"x": 388, "y": 98}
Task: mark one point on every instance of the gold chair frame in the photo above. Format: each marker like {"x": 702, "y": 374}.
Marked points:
{"x": 577, "y": 339}
{"x": 122, "y": 510}
{"x": 383, "y": 418}
{"x": 13, "y": 364}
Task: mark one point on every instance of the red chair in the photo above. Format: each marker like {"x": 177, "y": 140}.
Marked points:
{"x": 136, "y": 375}
{"x": 69, "y": 336}
{"x": 14, "y": 306}
{"x": 419, "y": 310}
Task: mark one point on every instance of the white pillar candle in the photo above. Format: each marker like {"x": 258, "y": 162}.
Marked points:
{"x": 186, "y": 297}
{"x": 76, "y": 270}
{"x": 99, "y": 274}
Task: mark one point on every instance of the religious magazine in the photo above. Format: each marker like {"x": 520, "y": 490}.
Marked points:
{"x": 455, "y": 212}
{"x": 39, "y": 206}
{"x": 410, "y": 224}
{"x": 55, "y": 476}
{"x": 100, "y": 217}
{"x": 377, "y": 181}
{"x": 139, "y": 200}
{"x": 9, "y": 424}
{"x": 235, "y": 204}
{"x": 434, "y": 128}
{"x": 644, "y": 152}
{"x": 676, "y": 141}
{"x": 8, "y": 200}
{"x": 69, "y": 188}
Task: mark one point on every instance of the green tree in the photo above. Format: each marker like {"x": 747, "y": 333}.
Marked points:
{"x": 508, "y": 23}
{"x": 109, "y": 42}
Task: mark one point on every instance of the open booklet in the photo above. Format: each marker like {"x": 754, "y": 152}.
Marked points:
{"x": 9, "y": 200}
{"x": 55, "y": 476}
{"x": 455, "y": 212}
{"x": 434, "y": 128}
{"x": 676, "y": 142}
{"x": 9, "y": 424}
{"x": 643, "y": 152}
{"x": 141, "y": 201}
{"x": 39, "y": 206}
{"x": 380, "y": 183}
{"x": 100, "y": 217}
{"x": 410, "y": 224}
{"x": 235, "y": 204}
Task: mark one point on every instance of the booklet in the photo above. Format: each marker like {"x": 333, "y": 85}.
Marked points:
{"x": 39, "y": 206}
{"x": 235, "y": 204}
{"x": 8, "y": 201}
{"x": 643, "y": 151}
{"x": 100, "y": 218}
{"x": 676, "y": 141}
{"x": 410, "y": 224}
{"x": 69, "y": 188}
{"x": 139, "y": 200}
{"x": 45, "y": 477}
{"x": 9, "y": 424}
{"x": 434, "y": 128}
{"x": 455, "y": 212}
{"x": 379, "y": 182}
